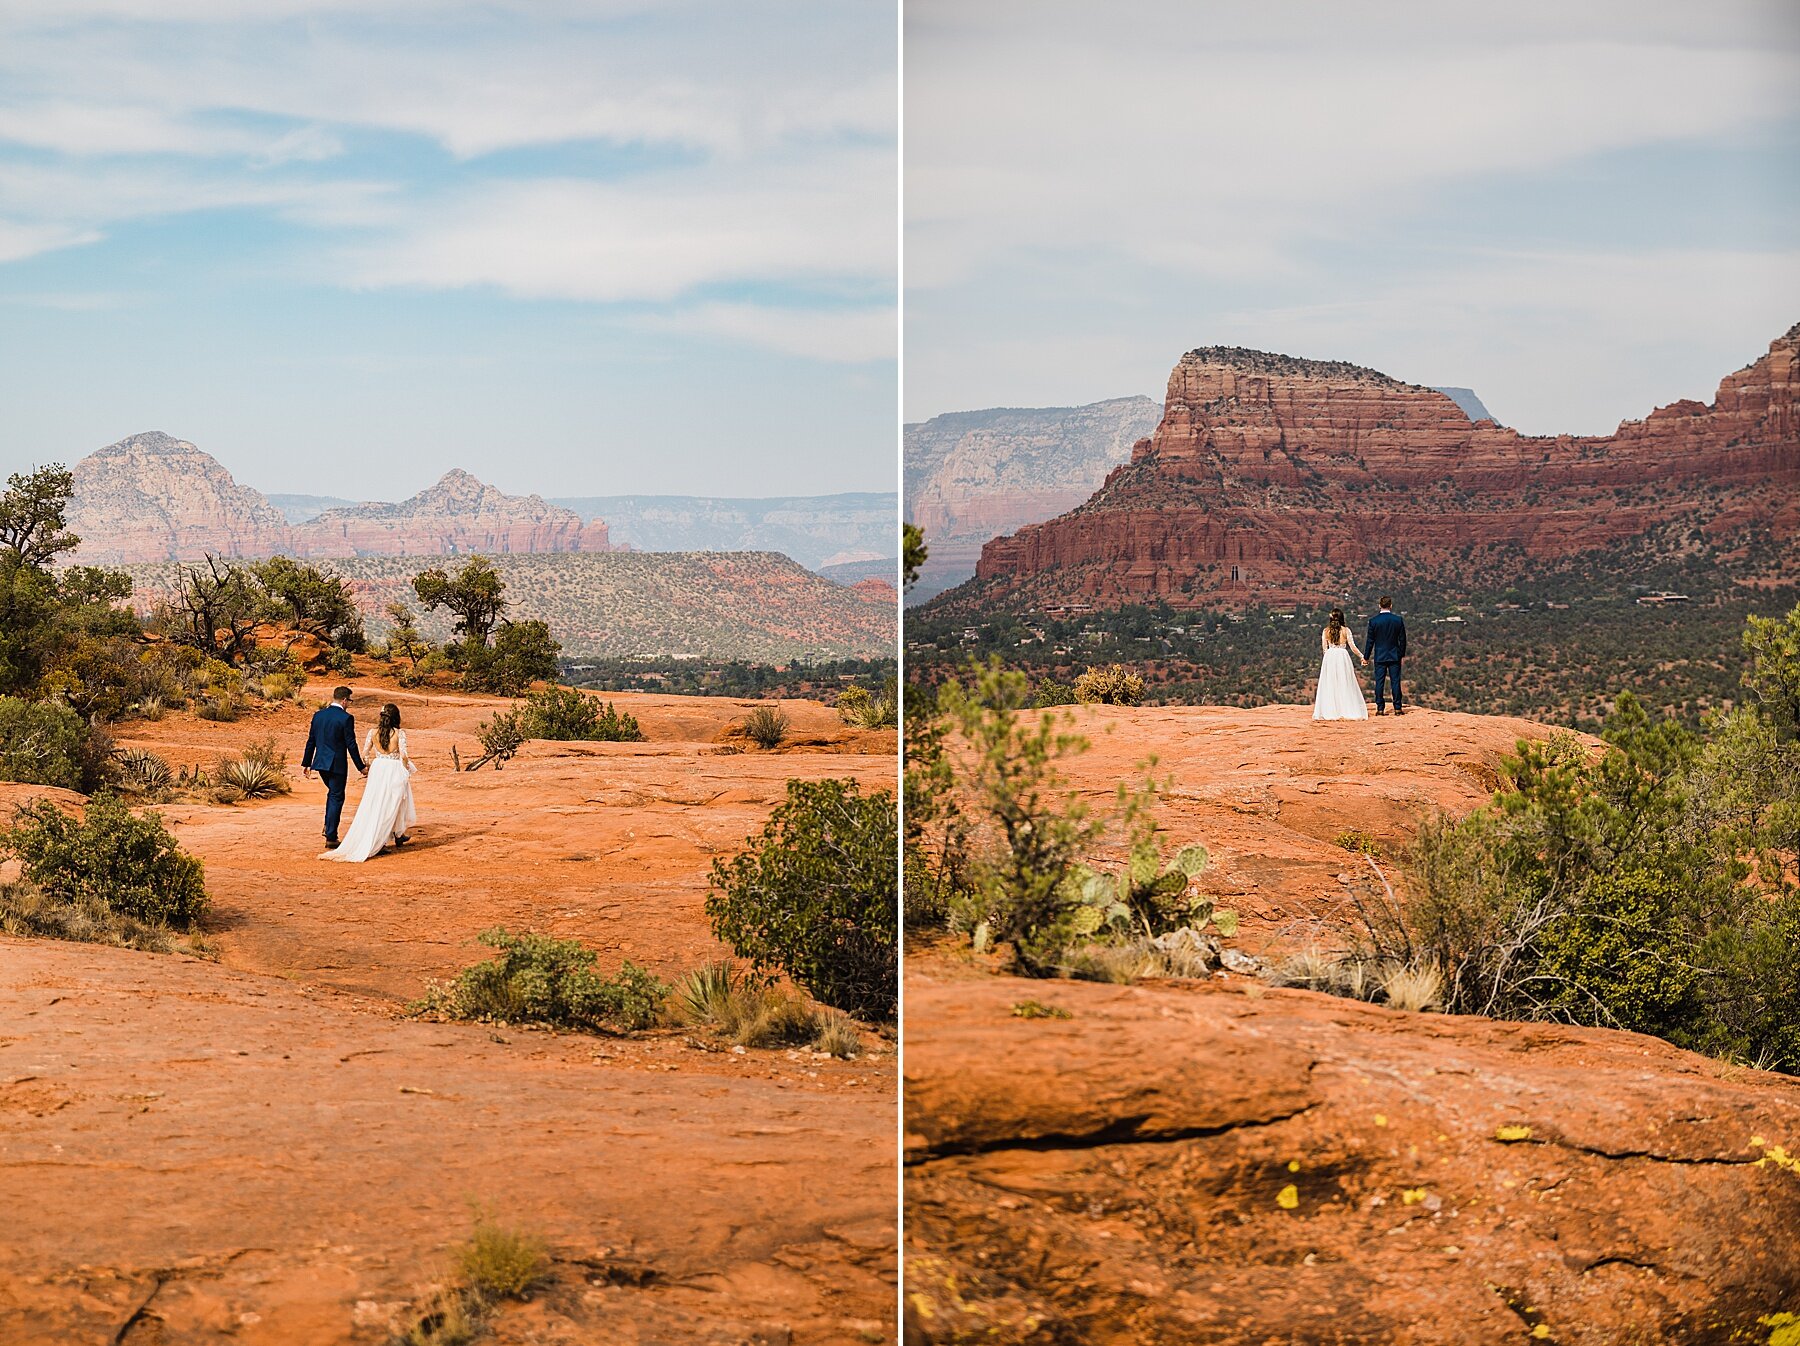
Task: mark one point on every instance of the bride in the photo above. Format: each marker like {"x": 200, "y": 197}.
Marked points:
{"x": 385, "y": 811}
{"x": 1340, "y": 692}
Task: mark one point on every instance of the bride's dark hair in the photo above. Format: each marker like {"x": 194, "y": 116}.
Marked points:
{"x": 1332, "y": 627}
{"x": 386, "y": 725}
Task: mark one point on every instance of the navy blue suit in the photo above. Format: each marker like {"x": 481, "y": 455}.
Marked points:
{"x": 330, "y": 749}
{"x": 1385, "y": 646}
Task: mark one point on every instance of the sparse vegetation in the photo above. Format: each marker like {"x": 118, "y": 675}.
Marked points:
{"x": 814, "y": 896}
{"x": 501, "y": 736}
{"x": 124, "y": 862}
{"x": 27, "y": 911}
{"x": 766, "y": 726}
{"x": 538, "y": 979}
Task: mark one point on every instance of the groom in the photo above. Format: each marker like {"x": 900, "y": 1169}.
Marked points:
{"x": 330, "y": 748}
{"x": 1385, "y": 647}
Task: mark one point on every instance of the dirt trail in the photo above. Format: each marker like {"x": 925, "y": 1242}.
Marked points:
{"x": 211, "y": 1153}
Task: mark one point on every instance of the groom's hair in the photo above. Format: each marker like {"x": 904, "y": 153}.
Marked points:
{"x": 1386, "y": 602}
{"x": 340, "y": 693}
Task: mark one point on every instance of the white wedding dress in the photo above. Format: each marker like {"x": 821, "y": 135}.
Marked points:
{"x": 386, "y": 808}
{"x": 1340, "y": 691}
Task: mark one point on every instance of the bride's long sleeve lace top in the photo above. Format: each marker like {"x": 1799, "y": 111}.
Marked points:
{"x": 1348, "y": 641}
{"x": 399, "y": 750}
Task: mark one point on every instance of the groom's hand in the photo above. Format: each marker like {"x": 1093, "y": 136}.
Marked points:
{"x": 306, "y": 772}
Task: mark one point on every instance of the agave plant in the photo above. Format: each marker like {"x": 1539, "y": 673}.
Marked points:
{"x": 144, "y": 771}
{"x": 253, "y": 777}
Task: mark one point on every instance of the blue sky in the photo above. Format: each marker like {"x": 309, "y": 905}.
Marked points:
{"x": 1580, "y": 211}
{"x": 603, "y": 247}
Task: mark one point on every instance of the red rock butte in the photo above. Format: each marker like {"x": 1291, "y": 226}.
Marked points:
{"x": 1274, "y": 479}
{"x": 152, "y": 497}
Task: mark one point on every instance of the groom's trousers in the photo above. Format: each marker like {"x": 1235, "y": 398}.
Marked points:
{"x": 1384, "y": 672}
{"x": 334, "y": 798}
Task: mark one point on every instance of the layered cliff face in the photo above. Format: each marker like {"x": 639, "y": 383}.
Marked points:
{"x": 153, "y": 497}
{"x": 1271, "y": 478}
{"x": 459, "y": 514}
{"x": 156, "y": 498}
{"x": 973, "y": 475}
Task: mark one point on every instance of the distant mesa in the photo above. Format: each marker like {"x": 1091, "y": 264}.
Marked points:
{"x": 152, "y": 497}
{"x": 974, "y": 475}
{"x": 822, "y": 532}
{"x": 1271, "y": 479}
{"x": 1471, "y": 404}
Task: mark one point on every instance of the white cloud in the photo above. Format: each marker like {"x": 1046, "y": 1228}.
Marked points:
{"x": 21, "y": 240}
{"x": 837, "y": 336}
{"x": 652, "y": 238}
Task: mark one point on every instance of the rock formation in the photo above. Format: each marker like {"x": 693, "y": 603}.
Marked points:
{"x": 973, "y": 475}
{"x": 152, "y": 497}
{"x": 459, "y": 514}
{"x": 1272, "y": 478}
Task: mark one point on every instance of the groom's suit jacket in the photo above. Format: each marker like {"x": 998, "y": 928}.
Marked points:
{"x": 331, "y": 743}
{"x": 1386, "y": 640}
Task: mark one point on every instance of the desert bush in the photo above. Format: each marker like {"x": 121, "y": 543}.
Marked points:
{"x": 543, "y": 980}
{"x": 223, "y": 709}
{"x": 28, "y": 912}
{"x": 500, "y": 1262}
{"x": 339, "y": 660}
{"x": 44, "y": 743}
{"x": 281, "y": 686}
{"x": 1357, "y": 842}
{"x": 1640, "y": 888}
{"x": 1050, "y": 693}
{"x": 815, "y": 896}
{"x": 766, "y": 726}
{"x": 501, "y": 736}
{"x": 769, "y": 1016}
{"x": 1113, "y": 685}
{"x": 427, "y": 666}
{"x": 999, "y": 835}
{"x": 143, "y": 772}
{"x": 125, "y": 862}
{"x": 452, "y": 1317}
{"x": 566, "y": 715}
{"x": 864, "y": 709}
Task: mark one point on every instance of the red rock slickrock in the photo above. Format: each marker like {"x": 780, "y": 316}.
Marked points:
{"x": 152, "y": 497}
{"x": 263, "y": 1150}
{"x": 1272, "y": 478}
{"x": 1224, "y": 1162}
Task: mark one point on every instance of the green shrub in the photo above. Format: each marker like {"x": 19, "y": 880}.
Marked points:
{"x": 501, "y": 736}
{"x": 566, "y": 715}
{"x": 522, "y": 653}
{"x": 766, "y": 726}
{"x": 1618, "y": 956}
{"x": 543, "y": 980}
{"x": 44, "y": 743}
{"x": 1049, "y": 692}
{"x": 1001, "y": 834}
{"x": 339, "y": 660}
{"x": 860, "y": 707}
{"x": 815, "y": 896}
{"x": 128, "y": 863}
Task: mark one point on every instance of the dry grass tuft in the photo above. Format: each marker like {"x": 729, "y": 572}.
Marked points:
{"x": 838, "y": 1036}
{"x": 502, "y": 1262}
{"x": 1418, "y": 986}
{"x": 28, "y": 912}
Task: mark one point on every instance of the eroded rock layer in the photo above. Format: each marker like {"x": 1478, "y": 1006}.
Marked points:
{"x": 1271, "y": 478}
